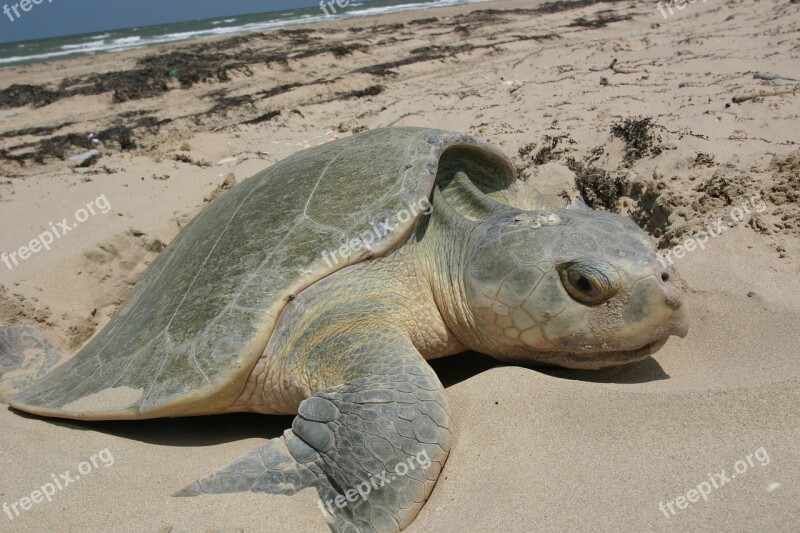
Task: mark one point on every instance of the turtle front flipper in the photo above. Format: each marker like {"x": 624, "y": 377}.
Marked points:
{"x": 373, "y": 447}
{"x": 25, "y": 356}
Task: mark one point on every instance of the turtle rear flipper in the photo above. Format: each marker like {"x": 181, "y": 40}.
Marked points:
{"x": 372, "y": 447}
{"x": 272, "y": 468}
{"x": 25, "y": 356}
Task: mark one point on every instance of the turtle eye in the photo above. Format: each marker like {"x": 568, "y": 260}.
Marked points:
{"x": 589, "y": 281}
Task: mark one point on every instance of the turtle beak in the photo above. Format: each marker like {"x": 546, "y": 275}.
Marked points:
{"x": 680, "y": 325}
{"x": 673, "y": 297}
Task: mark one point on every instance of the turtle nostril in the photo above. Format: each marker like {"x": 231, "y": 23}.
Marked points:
{"x": 665, "y": 277}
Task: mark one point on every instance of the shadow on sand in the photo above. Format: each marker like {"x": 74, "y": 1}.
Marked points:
{"x": 214, "y": 430}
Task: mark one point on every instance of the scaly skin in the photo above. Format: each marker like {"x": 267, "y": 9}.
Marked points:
{"x": 300, "y": 360}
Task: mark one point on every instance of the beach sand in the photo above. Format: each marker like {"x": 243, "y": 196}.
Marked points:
{"x": 535, "y": 449}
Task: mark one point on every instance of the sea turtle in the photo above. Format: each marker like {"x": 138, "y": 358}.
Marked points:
{"x": 320, "y": 287}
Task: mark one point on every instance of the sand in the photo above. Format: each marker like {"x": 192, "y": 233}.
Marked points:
{"x": 535, "y": 450}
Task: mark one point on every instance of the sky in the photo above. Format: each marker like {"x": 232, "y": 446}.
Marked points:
{"x": 55, "y": 18}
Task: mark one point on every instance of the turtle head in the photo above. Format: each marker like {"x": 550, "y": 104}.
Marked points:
{"x": 570, "y": 287}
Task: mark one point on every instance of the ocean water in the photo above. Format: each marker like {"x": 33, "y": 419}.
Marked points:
{"x": 119, "y": 40}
